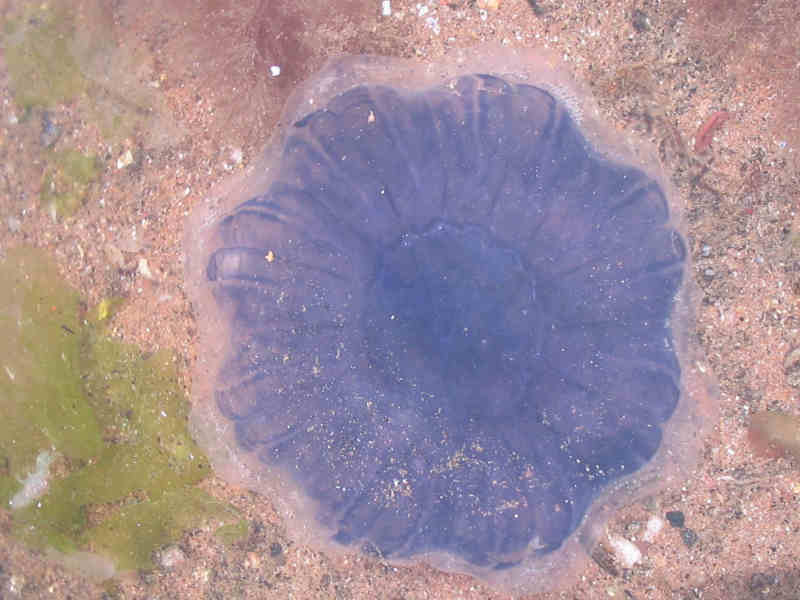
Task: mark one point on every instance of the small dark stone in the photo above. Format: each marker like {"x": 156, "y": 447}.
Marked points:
{"x": 371, "y": 550}
{"x": 791, "y": 365}
{"x": 275, "y": 549}
{"x": 689, "y": 537}
{"x": 50, "y": 131}
{"x": 605, "y": 560}
{"x": 675, "y": 518}
{"x": 537, "y": 8}
{"x": 258, "y": 528}
{"x": 640, "y": 21}
{"x": 761, "y": 582}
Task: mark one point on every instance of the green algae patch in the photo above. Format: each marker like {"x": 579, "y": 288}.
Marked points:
{"x": 94, "y": 449}
{"x": 234, "y": 532}
{"x": 42, "y": 396}
{"x": 67, "y": 180}
{"x": 62, "y": 52}
{"x": 41, "y": 64}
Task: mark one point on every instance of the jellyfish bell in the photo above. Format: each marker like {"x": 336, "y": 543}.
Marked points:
{"x": 447, "y": 317}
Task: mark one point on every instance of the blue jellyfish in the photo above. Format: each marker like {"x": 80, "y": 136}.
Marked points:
{"x": 448, "y": 319}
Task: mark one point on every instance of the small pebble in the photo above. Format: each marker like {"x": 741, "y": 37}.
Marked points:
{"x": 689, "y": 537}
{"x": 633, "y": 528}
{"x": 252, "y": 561}
{"x": 125, "y": 159}
{"x": 640, "y": 21}
{"x": 433, "y": 24}
{"x": 15, "y": 585}
{"x": 274, "y": 70}
{"x": 144, "y": 269}
{"x": 709, "y": 273}
{"x": 652, "y": 529}
{"x": 386, "y": 8}
{"x": 170, "y": 556}
{"x": 761, "y": 583}
{"x": 602, "y": 555}
{"x": 791, "y": 366}
{"x": 626, "y": 553}
{"x": 275, "y": 549}
{"x": 50, "y": 131}
{"x": 676, "y": 518}
{"x": 706, "y": 251}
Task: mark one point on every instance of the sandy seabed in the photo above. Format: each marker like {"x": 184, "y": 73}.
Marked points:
{"x": 658, "y": 70}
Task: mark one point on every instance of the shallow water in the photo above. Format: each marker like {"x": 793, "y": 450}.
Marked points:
{"x": 171, "y": 100}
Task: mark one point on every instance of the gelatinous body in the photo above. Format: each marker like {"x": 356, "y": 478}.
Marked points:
{"x": 448, "y": 320}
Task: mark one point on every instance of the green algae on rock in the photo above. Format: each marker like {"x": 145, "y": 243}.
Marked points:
{"x": 233, "y": 532}
{"x": 94, "y": 451}
{"x": 61, "y": 52}
{"x": 40, "y": 62}
{"x": 66, "y": 182}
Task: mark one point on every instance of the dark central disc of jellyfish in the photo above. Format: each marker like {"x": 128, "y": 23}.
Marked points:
{"x": 450, "y": 313}
{"x": 449, "y": 319}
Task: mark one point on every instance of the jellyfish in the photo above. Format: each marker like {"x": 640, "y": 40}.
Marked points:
{"x": 444, "y": 318}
